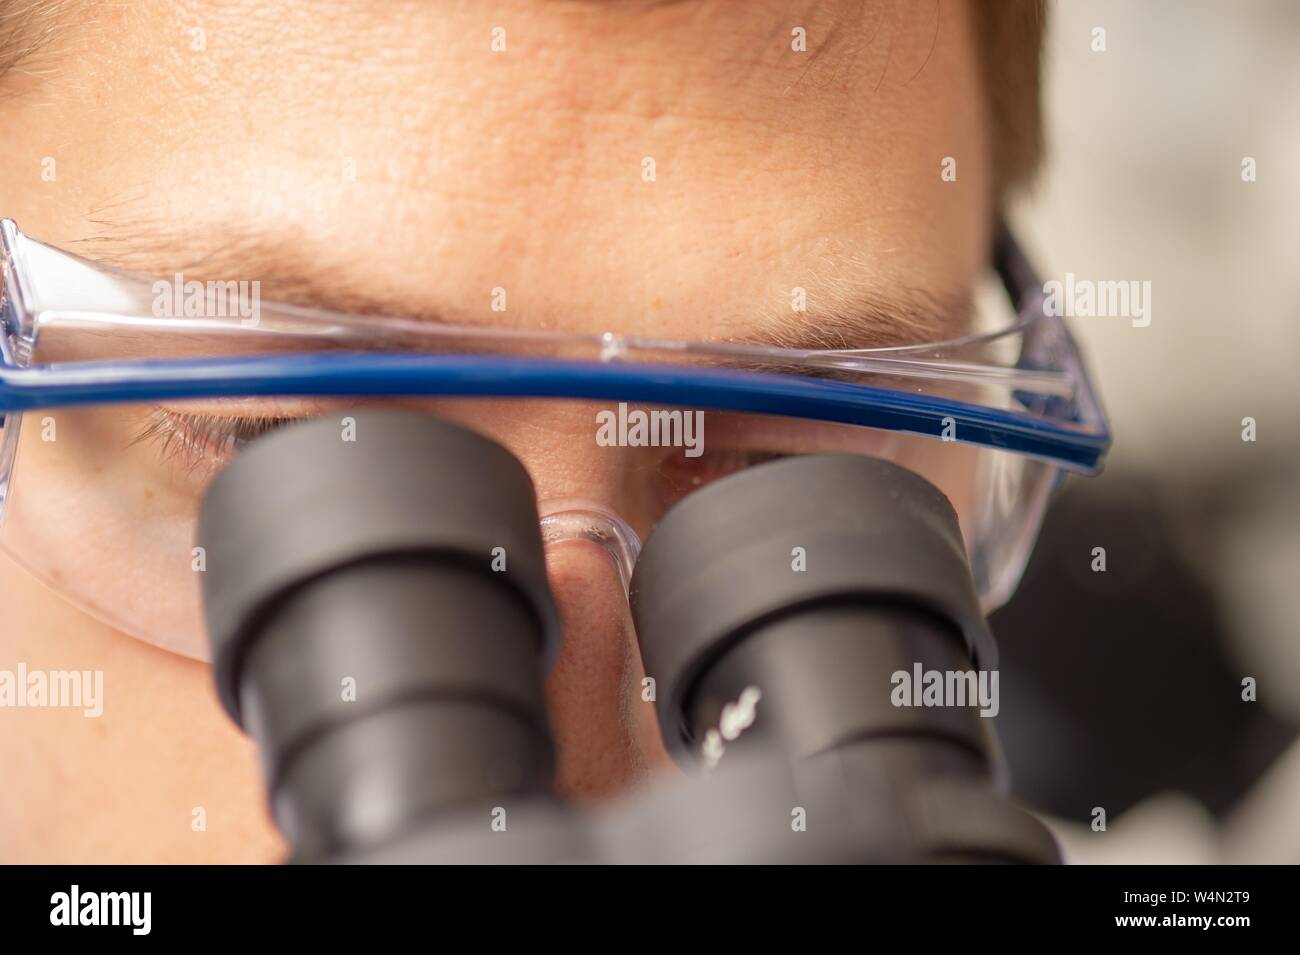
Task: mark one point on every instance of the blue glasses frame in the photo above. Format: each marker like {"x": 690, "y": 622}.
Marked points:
{"x": 1064, "y": 425}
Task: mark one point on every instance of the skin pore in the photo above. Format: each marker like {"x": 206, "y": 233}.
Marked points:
{"x": 383, "y": 156}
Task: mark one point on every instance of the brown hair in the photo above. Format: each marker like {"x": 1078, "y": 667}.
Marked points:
{"x": 26, "y": 26}
{"x": 1009, "y": 41}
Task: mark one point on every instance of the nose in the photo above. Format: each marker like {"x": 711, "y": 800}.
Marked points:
{"x": 600, "y": 704}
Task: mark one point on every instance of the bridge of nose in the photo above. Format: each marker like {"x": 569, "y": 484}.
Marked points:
{"x": 557, "y": 441}
{"x": 601, "y": 711}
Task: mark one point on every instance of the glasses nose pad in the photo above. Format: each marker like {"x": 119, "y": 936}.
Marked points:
{"x": 567, "y": 519}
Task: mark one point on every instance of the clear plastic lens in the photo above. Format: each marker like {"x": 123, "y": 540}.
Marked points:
{"x": 74, "y": 311}
{"x": 103, "y": 501}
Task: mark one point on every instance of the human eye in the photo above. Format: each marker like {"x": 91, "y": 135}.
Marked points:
{"x": 199, "y": 441}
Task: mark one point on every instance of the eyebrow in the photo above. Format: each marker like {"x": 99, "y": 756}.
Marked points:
{"x": 870, "y": 317}
{"x": 27, "y": 27}
{"x": 840, "y": 316}
{"x": 286, "y": 274}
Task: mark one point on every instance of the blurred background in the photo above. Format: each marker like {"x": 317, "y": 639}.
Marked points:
{"x": 1123, "y": 690}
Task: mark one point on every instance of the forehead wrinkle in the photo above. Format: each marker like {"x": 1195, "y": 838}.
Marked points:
{"x": 591, "y": 42}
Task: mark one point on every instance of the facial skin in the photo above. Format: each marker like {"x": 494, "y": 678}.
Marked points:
{"x": 383, "y": 156}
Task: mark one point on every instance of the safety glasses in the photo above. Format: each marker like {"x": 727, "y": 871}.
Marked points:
{"x": 122, "y": 395}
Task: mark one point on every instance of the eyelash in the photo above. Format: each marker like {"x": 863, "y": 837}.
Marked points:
{"x": 202, "y": 442}
{"x": 196, "y": 440}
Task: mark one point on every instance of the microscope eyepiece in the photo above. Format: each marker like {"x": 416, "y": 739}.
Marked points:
{"x": 359, "y": 628}
{"x": 774, "y": 609}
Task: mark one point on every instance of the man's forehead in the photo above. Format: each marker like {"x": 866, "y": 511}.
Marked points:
{"x": 806, "y": 78}
{"x": 880, "y": 36}
{"x": 596, "y": 181}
